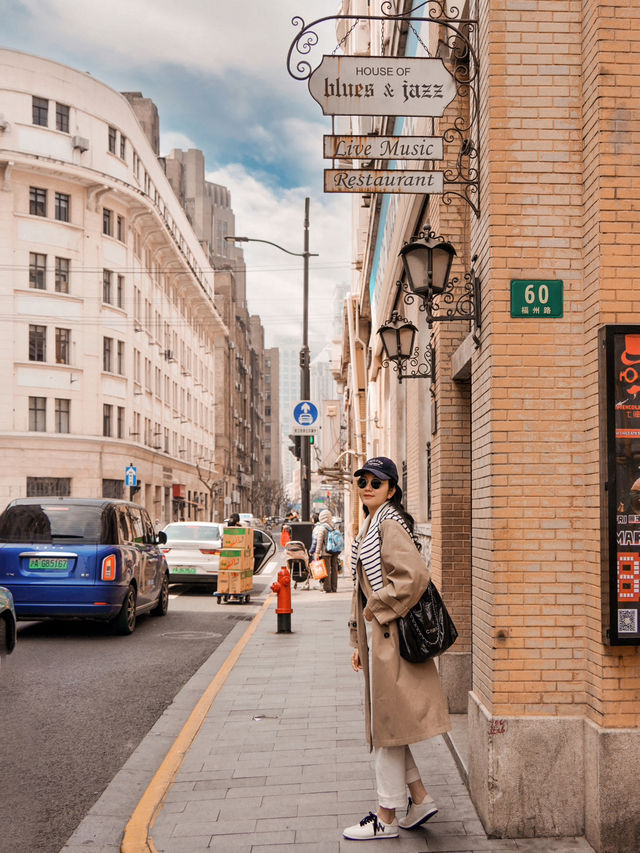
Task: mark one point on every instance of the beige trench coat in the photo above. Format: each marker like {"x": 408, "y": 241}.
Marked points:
{"x": 408, "y": 704}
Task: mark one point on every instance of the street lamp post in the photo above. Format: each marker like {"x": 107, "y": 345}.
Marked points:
{"x": 305, "y": 376}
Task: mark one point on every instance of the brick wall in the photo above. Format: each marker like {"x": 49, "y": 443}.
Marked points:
{"x": 611, "y": 133}
{"x": 560, "y": 132}
{"x": 528, "y": 399}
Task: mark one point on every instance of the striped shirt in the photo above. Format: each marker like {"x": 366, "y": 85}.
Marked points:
{"x": 369, "y": 552}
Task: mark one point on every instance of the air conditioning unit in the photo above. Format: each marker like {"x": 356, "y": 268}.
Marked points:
{"x": 80, "y": 142}
{"x": 168, "y": 354}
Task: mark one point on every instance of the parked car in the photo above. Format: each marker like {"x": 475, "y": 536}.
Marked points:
{"x": 71, "y": 557}
{"x": 264, "y": 547}
{"x": 8, "y": 621}
{"x": 193, "y": 550}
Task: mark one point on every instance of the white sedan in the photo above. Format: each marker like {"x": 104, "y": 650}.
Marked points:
{"x": 193, "y": 550}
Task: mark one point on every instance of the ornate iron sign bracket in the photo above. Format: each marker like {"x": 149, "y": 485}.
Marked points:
{"x": 460, "y": 37}
{"x": 446, "y": 305}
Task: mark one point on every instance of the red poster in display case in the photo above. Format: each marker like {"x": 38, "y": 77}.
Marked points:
{"x": 620, "y": 407}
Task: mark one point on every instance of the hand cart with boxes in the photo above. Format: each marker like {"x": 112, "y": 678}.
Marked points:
{"x": 235, "y": 575}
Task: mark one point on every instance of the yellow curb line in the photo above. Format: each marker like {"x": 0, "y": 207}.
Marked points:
{"x": 137, "y": 833}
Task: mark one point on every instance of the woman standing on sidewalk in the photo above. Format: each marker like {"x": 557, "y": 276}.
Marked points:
{"x": 404, "y": 702}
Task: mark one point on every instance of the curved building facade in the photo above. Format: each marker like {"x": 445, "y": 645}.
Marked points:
{"x": 108, "y": 329}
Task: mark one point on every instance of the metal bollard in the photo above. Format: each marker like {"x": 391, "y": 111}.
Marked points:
{"x": 284, "y": 610}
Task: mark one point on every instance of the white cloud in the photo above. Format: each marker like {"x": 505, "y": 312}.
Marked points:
{"x": 171, "y": 139}
{"x": 275, "y": 279}
{"x": 213, "y": 36}
{"x": 238, "y": 51}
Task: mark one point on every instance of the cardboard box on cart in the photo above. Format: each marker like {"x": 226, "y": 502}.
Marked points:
{"x": 238, "y": 537}
{"x": 235, "y": 559}
{"x": 235, "y": 575}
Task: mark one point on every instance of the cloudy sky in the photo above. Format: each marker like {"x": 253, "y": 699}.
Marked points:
{"x": 217, "y": 71}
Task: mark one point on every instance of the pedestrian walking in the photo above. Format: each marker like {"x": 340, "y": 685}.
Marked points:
{"x": 233, "y": 520}
{"x": 322, "y": 550}
{"x": 404, "y": 702}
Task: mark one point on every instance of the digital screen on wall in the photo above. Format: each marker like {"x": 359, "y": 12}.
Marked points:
{"x": 621, "y": 601}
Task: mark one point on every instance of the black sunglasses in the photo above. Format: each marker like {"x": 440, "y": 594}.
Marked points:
{"x": 375, "y": 483}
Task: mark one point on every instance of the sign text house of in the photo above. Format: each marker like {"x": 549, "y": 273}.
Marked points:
{"x": 378, "y": 85}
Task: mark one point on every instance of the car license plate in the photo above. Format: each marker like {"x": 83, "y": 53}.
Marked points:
{"x": 183, "y": 570}
{"x": 48, "y": 564}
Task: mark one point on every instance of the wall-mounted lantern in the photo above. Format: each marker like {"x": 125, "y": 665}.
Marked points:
{"x": 398, "y": 339}
{"x": 427, "y": 261}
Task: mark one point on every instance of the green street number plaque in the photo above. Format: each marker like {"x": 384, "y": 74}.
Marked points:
{"x": 536, "y": 299}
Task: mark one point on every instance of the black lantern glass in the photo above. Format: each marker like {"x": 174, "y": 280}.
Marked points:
{"x": 397, "y": 336}
{"x": 427, "y": 264}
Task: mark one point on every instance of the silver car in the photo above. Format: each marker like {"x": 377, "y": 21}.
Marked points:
{"x": 192, "y": 551}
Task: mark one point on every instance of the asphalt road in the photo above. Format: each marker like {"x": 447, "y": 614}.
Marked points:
{"x": 76, "y": 701}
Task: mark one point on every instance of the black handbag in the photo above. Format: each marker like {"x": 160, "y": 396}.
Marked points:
{"x": 427, "y": 630}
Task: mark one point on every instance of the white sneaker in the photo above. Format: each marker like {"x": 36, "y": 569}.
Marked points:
{"x": 418, "y": 813}
{"x": 371, "y": 827}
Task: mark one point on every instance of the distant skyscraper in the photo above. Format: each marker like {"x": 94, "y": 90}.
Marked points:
{"x": 289, "y": 396}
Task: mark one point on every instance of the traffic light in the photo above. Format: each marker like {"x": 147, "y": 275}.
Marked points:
{"x": 312, "y": 439}
{"x": 296, "y": 447}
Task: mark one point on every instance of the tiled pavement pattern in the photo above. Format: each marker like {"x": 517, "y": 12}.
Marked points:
{"x": 281, "y": 764}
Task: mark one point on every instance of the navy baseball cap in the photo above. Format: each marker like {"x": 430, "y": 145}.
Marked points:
{"x": 380, "y": 466}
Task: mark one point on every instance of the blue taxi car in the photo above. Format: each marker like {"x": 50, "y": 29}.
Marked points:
{"x": 69, "y": 557}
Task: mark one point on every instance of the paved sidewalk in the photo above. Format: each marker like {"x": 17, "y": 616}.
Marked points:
{"x": 280, "y": 762}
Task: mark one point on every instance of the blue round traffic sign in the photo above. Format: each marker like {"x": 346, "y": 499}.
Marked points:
{"x": 305, "y": 413}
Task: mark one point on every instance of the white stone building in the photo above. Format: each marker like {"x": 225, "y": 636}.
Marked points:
{"x": 108, "y": 327}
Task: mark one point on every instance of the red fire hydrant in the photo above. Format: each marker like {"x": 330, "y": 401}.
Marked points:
{"x": 284, "y": 610}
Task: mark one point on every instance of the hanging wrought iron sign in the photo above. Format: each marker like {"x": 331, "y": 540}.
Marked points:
{"x": 383, "y": 147}
{"x": 382, "y": 86}
{"x": 382, "y": 181}
{"x": 378, "y": 85}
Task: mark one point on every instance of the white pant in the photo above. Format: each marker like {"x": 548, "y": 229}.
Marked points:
{"x": 394, "y": 765}
{"x": 395, "y": 769}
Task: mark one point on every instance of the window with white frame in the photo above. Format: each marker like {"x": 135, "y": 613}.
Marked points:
{"x": 62, "y": 415}
{"x": 62, "y": 118}
{"x": 62, "y": 270}
{"x": 63, "y": 207}
{"x": 40, "y": 111}
{"x": 107, "y": 221}
{"x": 37, "y": 414}
{"x": 107, "y": 419}
{"x": 107, "y": 275}
{"x": 37, "y": 343}
{"x": 107, "y": 354}
{"x": 37, "y": 270}
{"x": 37, "y": 201}
{"x": 63, "y": 346}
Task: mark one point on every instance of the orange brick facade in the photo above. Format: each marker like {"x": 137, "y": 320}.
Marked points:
{"x": 517, "y": 479}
